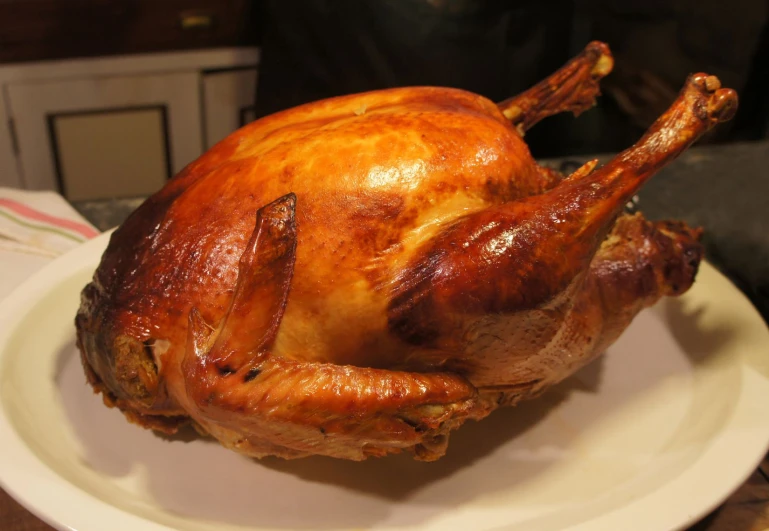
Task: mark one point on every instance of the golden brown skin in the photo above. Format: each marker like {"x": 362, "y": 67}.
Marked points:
{"x": 359, "y": 276}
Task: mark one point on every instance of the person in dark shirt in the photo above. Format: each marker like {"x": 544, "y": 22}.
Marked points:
{"x": 313, "y": 49}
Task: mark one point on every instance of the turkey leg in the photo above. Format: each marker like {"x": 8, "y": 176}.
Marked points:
{"x": 529, "y": 255}
{"x": 571, "y": 88}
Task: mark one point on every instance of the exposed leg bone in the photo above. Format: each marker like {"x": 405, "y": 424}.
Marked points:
{"x": 572, "y": 88}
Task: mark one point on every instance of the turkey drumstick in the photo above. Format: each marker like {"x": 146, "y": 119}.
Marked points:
{"x": 571, "y": 88}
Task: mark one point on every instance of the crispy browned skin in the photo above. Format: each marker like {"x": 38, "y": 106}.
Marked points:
{"x": 361, "y": 275}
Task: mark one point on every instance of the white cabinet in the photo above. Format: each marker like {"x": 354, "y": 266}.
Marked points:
{"x": 104, "y": 128}
{"x": 106, "y": 136}
{"x": 228, "y": 100}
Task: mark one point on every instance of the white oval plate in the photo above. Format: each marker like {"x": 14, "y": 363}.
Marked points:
{"x": 653, "y": 435}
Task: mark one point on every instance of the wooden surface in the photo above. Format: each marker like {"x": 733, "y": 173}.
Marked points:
{"x": 745, "y": 510}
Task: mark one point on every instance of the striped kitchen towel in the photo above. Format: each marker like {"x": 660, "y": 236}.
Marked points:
{"x": 40, "y": 222}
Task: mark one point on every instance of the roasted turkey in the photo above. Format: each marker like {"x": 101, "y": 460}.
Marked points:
{"x": 359, "y": 276}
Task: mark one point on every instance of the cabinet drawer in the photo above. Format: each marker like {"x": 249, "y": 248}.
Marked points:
{"x": 33, "y": 30}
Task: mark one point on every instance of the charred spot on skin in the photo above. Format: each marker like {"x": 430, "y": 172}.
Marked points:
{"x": 498, "y": 189}
{"x": 252, "y": 373}
{"x": 404, "y": 324}
{"x": 322, "y": 430}
{"x": 693, "y": 255}
{"x": 225, "y": 370}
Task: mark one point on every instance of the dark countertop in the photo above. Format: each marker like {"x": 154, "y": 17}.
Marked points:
{"x": 725, "y": 190}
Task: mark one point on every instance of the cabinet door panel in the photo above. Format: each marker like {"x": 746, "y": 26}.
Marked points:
{"x": 228, "y": 98}
{"x": 89, "y": 146}
{"x": 106, "y": 137}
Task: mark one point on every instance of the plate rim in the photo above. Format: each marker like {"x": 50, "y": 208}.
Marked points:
{"x": 23, "y": 473}
{"x": 60, "y": 511}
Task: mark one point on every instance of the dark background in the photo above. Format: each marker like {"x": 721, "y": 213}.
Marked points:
{"x": 319, "y": 48}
